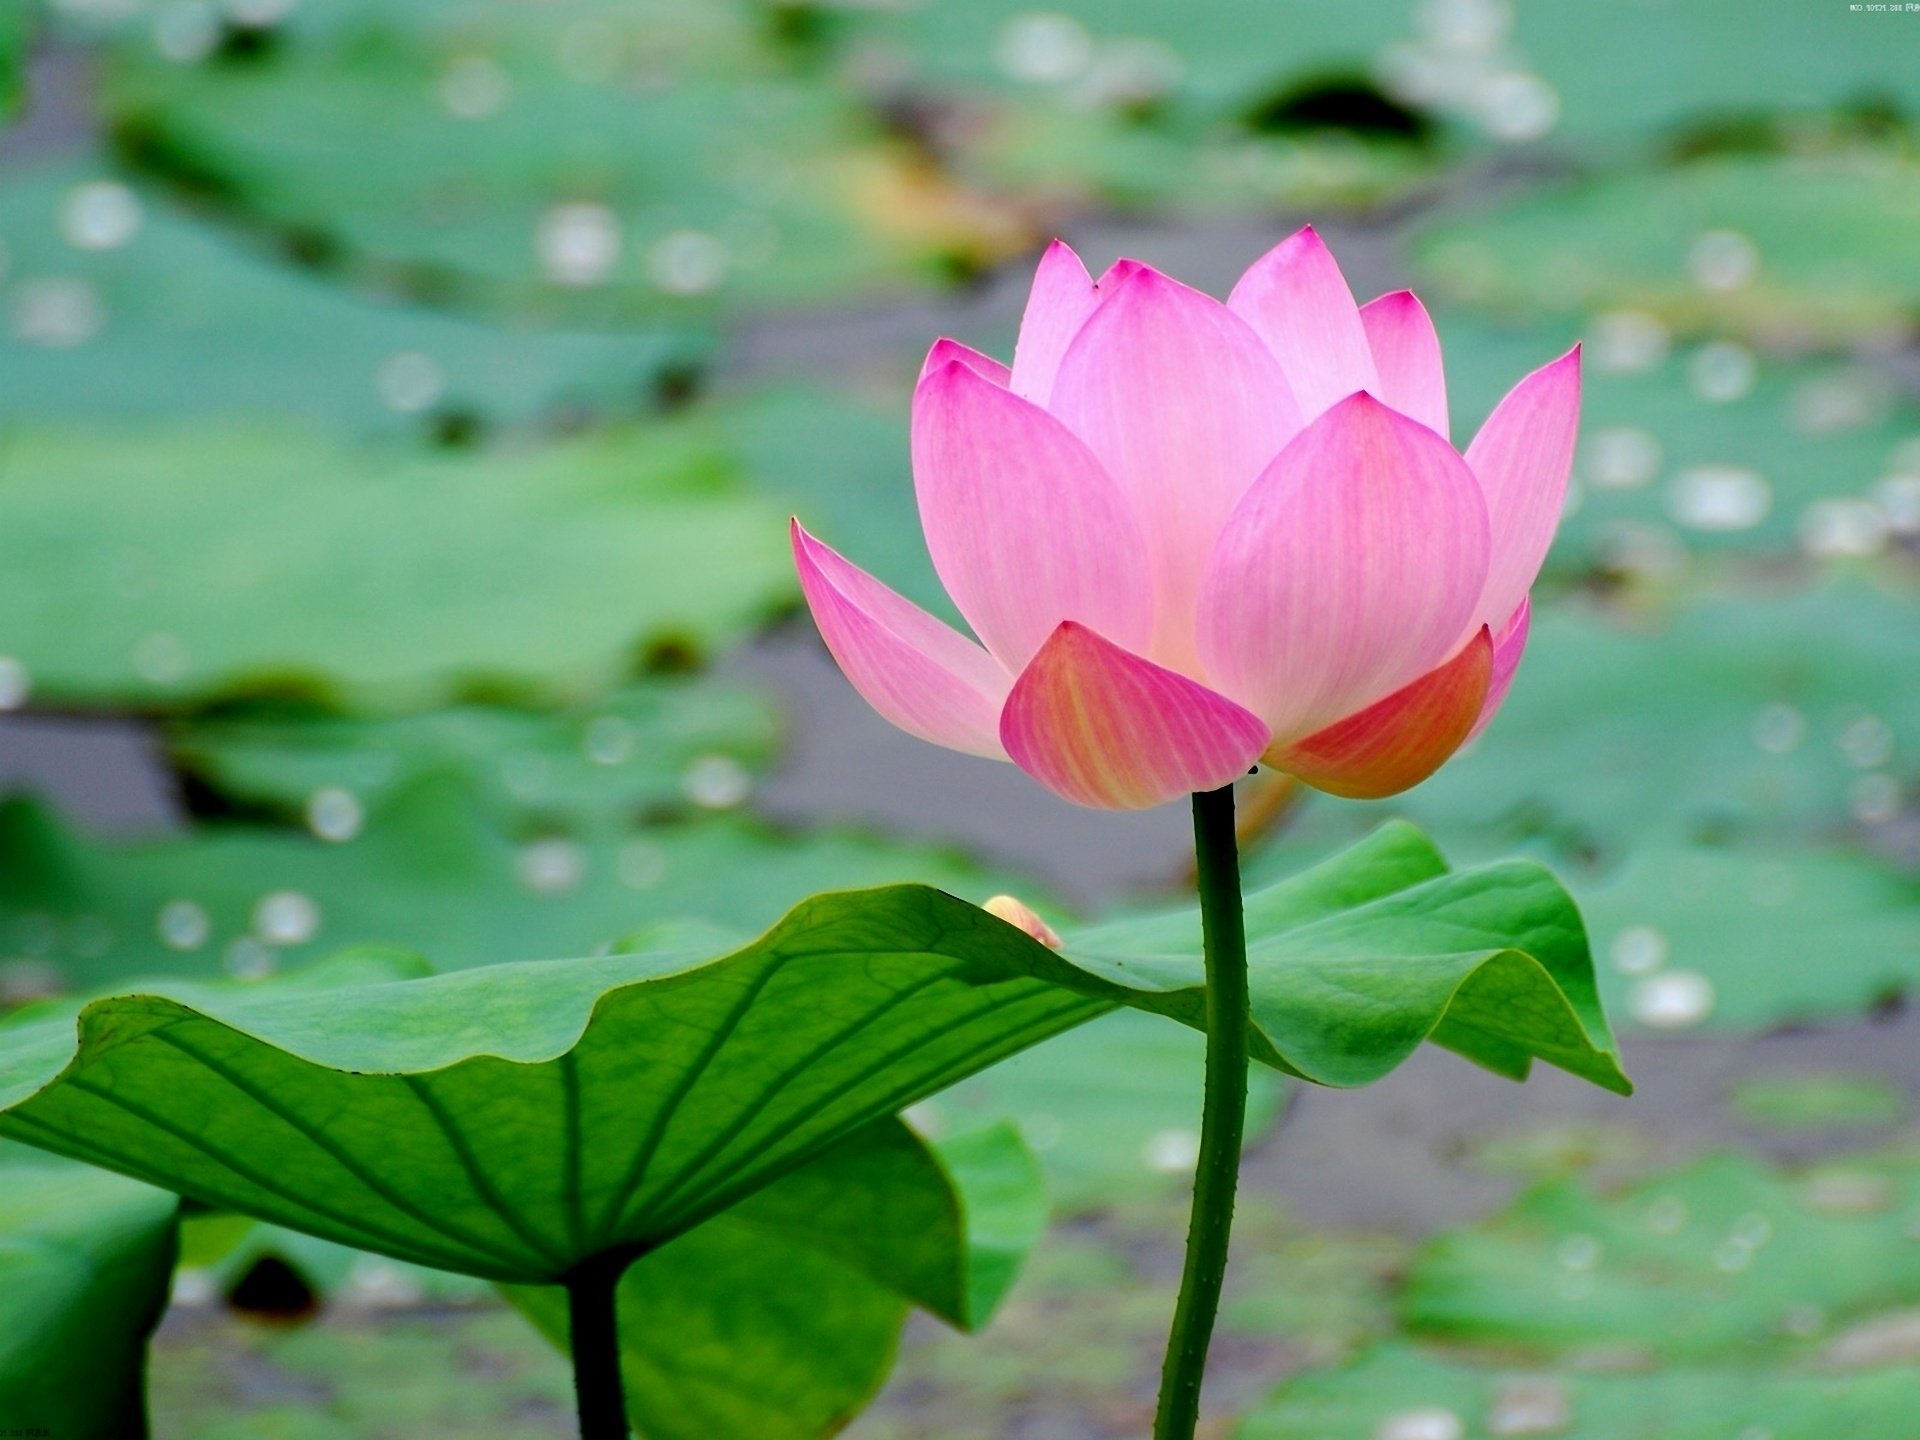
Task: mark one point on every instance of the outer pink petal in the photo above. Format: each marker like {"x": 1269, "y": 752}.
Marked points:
{"x": 1103, "y": 727}
{"x": 1024, "y": 526}
{"x": 1523, "y": 455}
{"x": 1406, "y": 353}
{"x": 1507, "y": 650}
{"x": 1351, "y": 567}
{"x": 1062, "y": 298}
{"x": 920, "y": 674}
{"x": 1298, "y": 301}
{"x": 1184, "y": 406}
{"x": 1395, "y": 743}
{"x": 945, "y": 351}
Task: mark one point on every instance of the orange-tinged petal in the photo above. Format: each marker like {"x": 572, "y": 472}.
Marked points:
{"x": 1395, "y": 743}
{"x": 1103, "y": 727}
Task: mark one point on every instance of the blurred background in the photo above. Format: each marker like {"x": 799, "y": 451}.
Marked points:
{"x": 403, "y": 403}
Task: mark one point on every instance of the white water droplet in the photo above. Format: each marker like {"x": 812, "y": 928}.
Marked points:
{"x": 1517, "y": 106}
{"x": 186, "y": 31}
{"x": 641, "y": 865}
{"x": 1672, "y": 1000}
{"x": 410, "y": 382}
{"x": 1843, "y": 528}
{"x": 183, "y": 925}
{"x": 1874, "y": 799}
{"x": 1867, "y": 742}
{"x": 687, "y": 262}
{"x": 58, "y": 313}
{"x": 1638, "y": 950}
{"x": 1621, "y": 458}
{"x": 335, "y": 814}
{"x": 1666, "y": 1215}
{"x": 1779, "y": 728}
{"x": 245, "y": 958}
{"x": 15, "y": 683}
{"x": 1530, "y": 1405}
{"x": 194, "y": 1286}
{"x": 1722, "y": 371}
{"x": 1623, "y": 341}
{"x": 160, "y": 659}
{"x": 578, "y": 243}
{"x": 1171, "y": 1152}
{"x": 1433, "y": 1422}
{"x": 1043, "y": 48}
{"x": 1719, "y": 498}
{"x": 716, "y": 782}
{"x": 1752, "y": 1229}
{"x": 552, "y": 866}
{"x": 609, "y": 740}
{"x": 381, "y": 1284}
{"x": 1578, "y": 1252}
{"x": 259, "y": 14}
{"x": 1723, "y": 260}
{"x": 100, "y": 215}
{"x": 474, "y": 87}
{"x": 1463, "y": 26}
{"x": 1732, "y": 1257}
{"x": 1898, "y": 497}
{"x": 286, "y": 917}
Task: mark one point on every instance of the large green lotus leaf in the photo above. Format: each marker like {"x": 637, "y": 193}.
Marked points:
{"x": 1794, "y": 249}
{"x": 1112, "y": 1109}
{"x": 780, "y": 1317}
{"x": 1400, "y": 1390}
{"x": 1758, "y": 714}
{"x": 430, "y": 870}
{"x": 511, "y": 1120}
{"x": 1723, "y": 1258}
{"x": 15, "y": 33}
{"x": 85, "y": 1262}
{"x": 659, "y": 744}
{"x": 1701, "y": 449}
{"x": 161, "y": 565}
{"x": 598, "y": 161}
{"x": 125, "y": 307}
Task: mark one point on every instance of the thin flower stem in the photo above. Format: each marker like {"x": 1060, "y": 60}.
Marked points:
{"x": 1224, "y": 1121}
{"x": 593, "y": 1335}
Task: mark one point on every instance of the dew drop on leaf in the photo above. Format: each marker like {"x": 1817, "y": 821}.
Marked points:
{"x": 1674, "y": 1000}
{"x": 183, "y": 925}
{"x": 334, "y": 814}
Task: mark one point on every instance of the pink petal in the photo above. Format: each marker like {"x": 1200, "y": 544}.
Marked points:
{"x": 922, "y": 675}
{"x": 1395, "y": 743}
{"x": 1507, "y": 650}
{"x": 1406, "y": 353}
{"x": 1184, "y": 406}
{"x": 1351, "y": 567}
{"x": 1296, "y": 299}
{"x": 1024, "y": 526}
{"x": 1058, "y": 305}
{"x": 1103, "y": 727}
{"x": 1523, "y": 455}
{"x": 945, "y": 351}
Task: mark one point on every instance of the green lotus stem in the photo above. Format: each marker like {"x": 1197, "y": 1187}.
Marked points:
{"x": 593, "y": 1335}
{"x": 1223, "y": 1123}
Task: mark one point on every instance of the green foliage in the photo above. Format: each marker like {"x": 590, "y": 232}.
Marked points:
{"x": 597, "y": 162}
{"x": 779, "y": 1318}
{"x": 164, "y": 565}
{"x": 1790, "y": 1100}
{"x": 509, "y": 1121}
{"x": 1794, "y": 249}
{"x": 85, "y": 1261}
{"x": 430, "y": 871}
{"x": 660, "y": 744}
{"x": 127, "y": 307}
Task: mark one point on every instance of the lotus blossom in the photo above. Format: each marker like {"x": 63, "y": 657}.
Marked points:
{"x": 1192, "y": 537}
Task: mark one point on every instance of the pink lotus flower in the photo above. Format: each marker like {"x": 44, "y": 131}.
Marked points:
{"x": 1193, "y": 536}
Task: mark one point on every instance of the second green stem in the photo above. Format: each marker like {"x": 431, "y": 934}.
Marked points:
{"x": 1222, "y": 1125}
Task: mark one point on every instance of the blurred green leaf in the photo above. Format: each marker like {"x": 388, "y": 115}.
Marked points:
{"x": 124, "y": 307}
{"x": 780, "y": 1317}
{"x": 602, "y": 163}
{"x": 429, "y": 870}
{"x": 169, "y": 565}
{"x": 509, "y": 1121}
{"x": 1819, "y": 1100}
{"x": 660, "y": 744}
{"x": 85, "y": 1262}
{"x": 1786, "y": 250}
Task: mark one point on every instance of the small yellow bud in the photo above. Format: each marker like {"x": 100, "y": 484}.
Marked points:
{"x": 1019, "y": 914}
